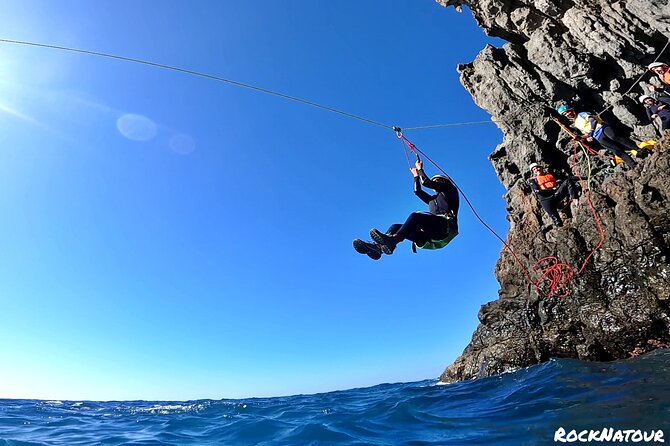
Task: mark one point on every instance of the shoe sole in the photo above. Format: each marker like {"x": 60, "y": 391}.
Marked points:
{"x": 362, "y": 247}
{"x": 379, "y": 238}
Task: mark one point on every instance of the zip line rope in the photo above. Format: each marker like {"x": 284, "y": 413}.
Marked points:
{"x": 284, "y": 96}
{"x": 232, "y": 82}
{"x": 197, "y": 73}
{"x": 454, "y": 124}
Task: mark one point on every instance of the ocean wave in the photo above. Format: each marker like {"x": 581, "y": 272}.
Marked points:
{"x": 522, "y": 407}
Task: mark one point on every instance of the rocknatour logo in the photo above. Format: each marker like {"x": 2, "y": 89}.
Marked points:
{"x": 608, "y": 434}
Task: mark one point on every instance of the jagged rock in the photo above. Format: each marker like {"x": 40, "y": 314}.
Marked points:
{"x": 591, "y": 54}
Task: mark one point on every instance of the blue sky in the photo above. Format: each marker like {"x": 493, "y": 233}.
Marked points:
{"x": 171, "y": 237}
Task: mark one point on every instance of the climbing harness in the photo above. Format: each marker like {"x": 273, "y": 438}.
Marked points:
{"x": 583, "y": 123}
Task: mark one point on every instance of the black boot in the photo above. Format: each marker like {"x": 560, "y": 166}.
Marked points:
{"x": 386, "y": 242}
{"x": 371, "y": 249}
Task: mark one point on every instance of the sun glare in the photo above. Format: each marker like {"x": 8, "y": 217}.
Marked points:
{"x": 17, "y": 114}
{"x": 136, "y": 127}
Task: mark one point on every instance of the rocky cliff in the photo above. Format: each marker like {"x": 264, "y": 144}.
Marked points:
{"x": 587, "y": 53}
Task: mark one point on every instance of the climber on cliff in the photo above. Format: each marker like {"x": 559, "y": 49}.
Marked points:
{"x": 426, "y": 230}
{"x": 657, "y": 109}
{"x": 592, "y": 127}
{"x": 657, "y": 92}
{"x": 550, "y": 191}
{"x": 662, "y": 70}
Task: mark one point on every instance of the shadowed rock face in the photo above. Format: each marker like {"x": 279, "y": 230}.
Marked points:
{"x": 587, "y": 53}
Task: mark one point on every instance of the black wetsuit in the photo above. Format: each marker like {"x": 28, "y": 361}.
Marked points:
{"x": 611, "y": 141}
{"x": 659, "y": 92}
{"x": 423, "y": 227}
{"x": 663, "y": 114}
{"x": 549, "y": 198}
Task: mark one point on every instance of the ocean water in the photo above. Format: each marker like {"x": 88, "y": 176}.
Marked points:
{"x": 524, "y": 407}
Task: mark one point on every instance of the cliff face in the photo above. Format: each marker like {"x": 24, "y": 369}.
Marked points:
{"x": 587, "y": 53}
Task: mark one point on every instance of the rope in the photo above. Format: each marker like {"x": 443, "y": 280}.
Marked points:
{"x": 588, "y": 166}
{"x": 453, "y": 124}
{"x": 407, "y": 147}
{"x": 639, "y": 78}
{"x": 197, "y": 73}
{"x": 415, "y": 149}
{"x": 555, "y": 277}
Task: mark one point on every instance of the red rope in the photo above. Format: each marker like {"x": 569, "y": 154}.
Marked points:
{"x": 555, "y": 277}
{"x": 406, "y": 145}
{"x": 415, "y": 149}
{"x": 596, "y": 218}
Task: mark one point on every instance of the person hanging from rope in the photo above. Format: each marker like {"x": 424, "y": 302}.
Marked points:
{"x": 657, "y": 109}
{"x": 662, "y": 70}
{"x": 550, "y": 191}
{"x": 427, "y": 230}
{"x": 592, "y": 127}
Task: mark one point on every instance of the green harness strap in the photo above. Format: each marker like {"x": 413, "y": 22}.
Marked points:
{"x": 438, "y": 244}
